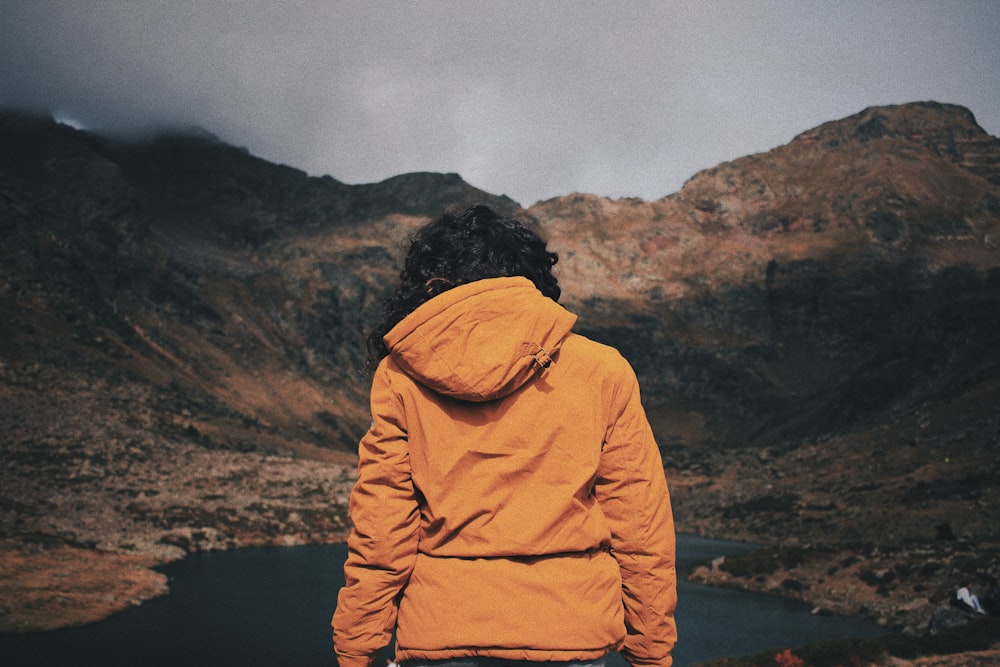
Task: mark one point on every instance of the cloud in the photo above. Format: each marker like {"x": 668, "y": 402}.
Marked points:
{"x": 528, "y": 99}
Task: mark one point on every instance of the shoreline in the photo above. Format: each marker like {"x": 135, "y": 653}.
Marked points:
{"x": 78, "y": 585}
{"x": 48, "y": 585}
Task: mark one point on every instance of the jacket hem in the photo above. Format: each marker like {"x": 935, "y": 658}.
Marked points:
{"x": 534, "y": 655}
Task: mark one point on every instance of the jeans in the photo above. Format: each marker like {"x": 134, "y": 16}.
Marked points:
{"x": 474, "y": 661}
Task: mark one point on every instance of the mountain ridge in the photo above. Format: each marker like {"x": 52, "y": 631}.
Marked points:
{"x": 181, "y": 317}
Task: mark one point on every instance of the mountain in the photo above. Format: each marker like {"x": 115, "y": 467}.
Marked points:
{"x": 808, "y": 288}
{"x": 815, "y": 329}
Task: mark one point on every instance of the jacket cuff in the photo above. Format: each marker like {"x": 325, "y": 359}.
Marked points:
{"x": 357, "y": 660}
{"x": 664, "y": 662}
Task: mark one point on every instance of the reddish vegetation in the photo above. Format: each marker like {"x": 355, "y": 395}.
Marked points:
{"x": 43, "y": 587}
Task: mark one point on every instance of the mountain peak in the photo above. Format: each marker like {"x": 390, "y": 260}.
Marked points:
{"x": 947, "y": 130}
{"x": 915, "y": 120}
{"x": 891, "y": 172}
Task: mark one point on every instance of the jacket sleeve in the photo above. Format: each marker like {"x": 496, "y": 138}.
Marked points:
{"x": 382, "y": 545}
{"x": 632, "y": 491}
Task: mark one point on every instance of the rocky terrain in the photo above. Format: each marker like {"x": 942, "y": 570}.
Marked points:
{"x": 815, "y": 329}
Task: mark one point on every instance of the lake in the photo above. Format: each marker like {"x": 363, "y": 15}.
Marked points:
{"x": 272, "y": 607}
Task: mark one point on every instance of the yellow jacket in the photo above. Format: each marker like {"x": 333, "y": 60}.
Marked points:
{"x": 511, "y": 500}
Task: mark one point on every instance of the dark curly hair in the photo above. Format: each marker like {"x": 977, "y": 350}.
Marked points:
{"x": 460, "y": 249}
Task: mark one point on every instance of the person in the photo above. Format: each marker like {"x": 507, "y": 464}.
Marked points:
{"x": 511, "y": 506}
{"x": 967, "y": 600}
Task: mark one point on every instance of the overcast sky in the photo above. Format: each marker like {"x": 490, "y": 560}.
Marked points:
{"x": 530, "y": 99}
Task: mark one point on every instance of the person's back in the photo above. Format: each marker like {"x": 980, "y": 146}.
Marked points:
{"x": 511, "y": 502}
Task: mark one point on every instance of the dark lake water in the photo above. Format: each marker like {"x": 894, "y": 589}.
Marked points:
{"x": 272, "y": 608}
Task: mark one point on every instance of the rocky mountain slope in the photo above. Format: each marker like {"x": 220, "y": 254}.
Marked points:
{"x": 815, "y": 329}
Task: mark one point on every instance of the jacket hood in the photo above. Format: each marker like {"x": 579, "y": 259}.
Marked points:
{"x": 482, "y": 340}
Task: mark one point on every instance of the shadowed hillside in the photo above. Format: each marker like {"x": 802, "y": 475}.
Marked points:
{"x": 816, "y": 330}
